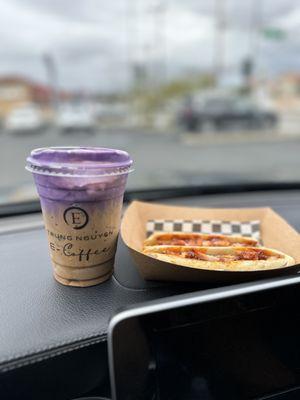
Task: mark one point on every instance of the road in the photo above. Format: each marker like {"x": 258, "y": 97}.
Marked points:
{"x": 161, "y": 159}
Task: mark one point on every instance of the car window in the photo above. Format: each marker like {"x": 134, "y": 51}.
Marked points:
{"x": 198, "y": 92}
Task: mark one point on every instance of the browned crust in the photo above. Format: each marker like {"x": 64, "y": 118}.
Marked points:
{"x": 164, "y": 238}
{"x": 214, "y": 258}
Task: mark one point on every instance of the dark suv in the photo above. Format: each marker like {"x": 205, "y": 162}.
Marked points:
{"x": 225, "y": 113}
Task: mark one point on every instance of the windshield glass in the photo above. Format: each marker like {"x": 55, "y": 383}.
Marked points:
{"x": 198, "y": 92}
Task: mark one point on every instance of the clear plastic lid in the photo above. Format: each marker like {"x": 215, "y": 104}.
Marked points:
{"x": 79, "y": 161}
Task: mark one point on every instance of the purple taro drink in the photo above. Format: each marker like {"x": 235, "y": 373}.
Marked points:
{"x": 81, "y": 192}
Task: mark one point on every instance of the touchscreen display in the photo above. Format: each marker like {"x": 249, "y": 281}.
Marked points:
{"x": 243, "y": 357}
{"x": 235, "y": 349}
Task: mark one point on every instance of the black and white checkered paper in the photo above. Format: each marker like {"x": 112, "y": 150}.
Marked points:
{"x": 245, "y": 228}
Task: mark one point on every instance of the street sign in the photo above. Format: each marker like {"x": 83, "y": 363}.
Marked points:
{"x": 274, "y": 33}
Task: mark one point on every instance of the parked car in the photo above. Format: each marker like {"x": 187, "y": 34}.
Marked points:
{"x": 24, "y": 119}
{"x": 75, "y": 118}
{"x": 225, "y": 113}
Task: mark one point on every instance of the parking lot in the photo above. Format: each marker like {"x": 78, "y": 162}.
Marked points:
{"x": 168, "y": 159}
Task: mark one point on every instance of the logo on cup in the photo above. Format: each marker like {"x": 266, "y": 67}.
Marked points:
{"x": 76, "y": 217}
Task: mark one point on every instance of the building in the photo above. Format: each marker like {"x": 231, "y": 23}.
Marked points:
{"x": 285, "y": 90}
{"x": 17, "y": 91}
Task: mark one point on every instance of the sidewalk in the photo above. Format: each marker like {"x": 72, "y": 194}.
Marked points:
{"x": 219, "y": 138}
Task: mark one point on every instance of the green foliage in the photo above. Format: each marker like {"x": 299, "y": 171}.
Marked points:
{"x": 152, "y": 99}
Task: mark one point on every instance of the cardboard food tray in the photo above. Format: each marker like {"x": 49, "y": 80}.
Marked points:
{"x": 275, "y": 233}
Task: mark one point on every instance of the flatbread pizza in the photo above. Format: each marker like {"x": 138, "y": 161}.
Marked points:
{"x": 197, "y": 239}
{"x": 221, "y": 258}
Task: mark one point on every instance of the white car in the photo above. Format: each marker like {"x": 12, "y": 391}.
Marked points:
{"x": 24, "y": 119}
{"x": 72, "y": 118}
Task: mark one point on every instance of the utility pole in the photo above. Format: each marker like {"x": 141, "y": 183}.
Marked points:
{"x": 255, "y": 31}
{"x": 219, "y": 45}
{"x": 140, "y": 51}
{"x": 131, "y": 38}
{"x": 160, "y": 40}
{"x": 52, "y": 78}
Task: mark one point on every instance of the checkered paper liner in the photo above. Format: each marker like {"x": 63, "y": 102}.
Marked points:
{"x": 245, "y": 228}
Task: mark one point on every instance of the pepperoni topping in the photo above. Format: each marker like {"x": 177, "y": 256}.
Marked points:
{"x": 251, "y": 254}
{"x": 247, "y": 254}
{"x": 190, "y": 254}
{"x": 194, "y": 240}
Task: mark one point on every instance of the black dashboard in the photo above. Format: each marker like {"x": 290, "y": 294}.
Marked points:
{"x": 53, "y": 338}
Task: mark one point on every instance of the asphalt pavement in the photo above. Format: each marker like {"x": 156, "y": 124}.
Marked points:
{"x": 161, "y": 159}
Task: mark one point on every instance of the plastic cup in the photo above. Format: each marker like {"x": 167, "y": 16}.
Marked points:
{"x": 81, "y": 192}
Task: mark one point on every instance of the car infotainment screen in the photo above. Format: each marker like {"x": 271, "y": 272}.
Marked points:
{"x": 236, "y": 348}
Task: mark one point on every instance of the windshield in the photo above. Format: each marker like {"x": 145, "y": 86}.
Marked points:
{"x": 198, "y": 92}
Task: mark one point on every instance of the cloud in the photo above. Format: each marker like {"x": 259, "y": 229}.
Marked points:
{"x": 95, "y": 42}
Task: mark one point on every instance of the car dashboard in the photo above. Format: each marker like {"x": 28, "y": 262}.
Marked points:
{"x": 53, "y": 338}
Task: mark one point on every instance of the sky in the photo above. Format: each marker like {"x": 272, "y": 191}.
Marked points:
{"x": 95, "y": 43}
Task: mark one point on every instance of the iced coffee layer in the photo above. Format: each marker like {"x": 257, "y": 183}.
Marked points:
{"x": 82, "y": 234}
{"x": 84, "y": 273}
{"x": 82, "y": 283}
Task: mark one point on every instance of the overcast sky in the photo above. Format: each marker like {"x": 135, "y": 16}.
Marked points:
{"x": 95, "y": 42}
